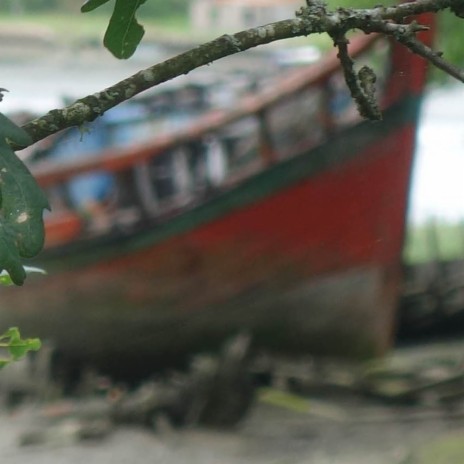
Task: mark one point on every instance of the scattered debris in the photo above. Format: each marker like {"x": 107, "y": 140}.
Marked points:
{"x": 215, "y": 391}
{"x": 28, "y": 378}
{"x": 410, "y": 381}
{"x": 426, "y": 385}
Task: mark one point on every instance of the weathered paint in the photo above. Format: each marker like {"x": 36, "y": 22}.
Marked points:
{"x": 306, "y": 254}
{"x": 246, "y": 261}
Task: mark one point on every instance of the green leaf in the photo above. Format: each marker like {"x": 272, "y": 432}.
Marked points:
{"x": 21, "y": 348}
{"x": 124, "y": 33}
{"x": 17, "y": 351}
{"x": 17, "y": 347}
{"x": 5, "y": 278}
{"x": 21, "y": 205}
{"x": 12, "y": 334}
{"x": 91, "y": 5}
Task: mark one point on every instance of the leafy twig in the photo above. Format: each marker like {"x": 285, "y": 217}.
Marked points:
{"x": 15, "y": 346}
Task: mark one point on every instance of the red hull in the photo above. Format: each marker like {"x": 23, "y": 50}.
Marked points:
{"x": 305, "y": 253}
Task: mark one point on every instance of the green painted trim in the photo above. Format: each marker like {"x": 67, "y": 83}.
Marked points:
{"x": 344, "y": 146}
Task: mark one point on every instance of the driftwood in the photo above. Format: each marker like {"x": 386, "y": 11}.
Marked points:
{"x": 215, "y": 391}
{"x": 431, "y": 382}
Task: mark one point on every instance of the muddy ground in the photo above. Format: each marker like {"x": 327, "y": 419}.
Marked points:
{"x": 362, "y": 434}
{"x": 318, "y": 428}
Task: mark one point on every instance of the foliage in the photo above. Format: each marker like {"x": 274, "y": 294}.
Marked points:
{"x": 6, "y": 280}
{"x": 22, "y": 203}
{"x": 124, "y": 33}
{"x": 15, "y": 346}
{"x": 11, "y": 341}
{"x": 434, "y": 240}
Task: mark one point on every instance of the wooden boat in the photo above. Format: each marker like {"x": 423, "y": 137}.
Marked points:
{"x": 296, "y": 235}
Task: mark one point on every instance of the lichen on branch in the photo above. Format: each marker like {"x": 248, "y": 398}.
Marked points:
{"x": 315, "y": 18}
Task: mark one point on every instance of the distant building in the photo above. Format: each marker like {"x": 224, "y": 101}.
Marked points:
{"x": 235, "y": 15}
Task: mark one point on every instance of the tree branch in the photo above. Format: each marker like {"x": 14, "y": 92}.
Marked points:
{"x": 315, "y": 18}
{"x": 361, "y": 85}
{"x": 406, "y": 35}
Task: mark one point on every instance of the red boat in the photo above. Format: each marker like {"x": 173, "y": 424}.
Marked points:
{"x": 283, "y": 215}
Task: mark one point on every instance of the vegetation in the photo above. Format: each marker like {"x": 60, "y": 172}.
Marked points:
{"x": 15, "y": 347}
{"x": 434, "y": 240}
{"x": 12, "y": 346}
{"x": 23, "y": 202}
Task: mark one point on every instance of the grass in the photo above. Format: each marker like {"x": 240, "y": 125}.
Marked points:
{"x": 434, "y": 240}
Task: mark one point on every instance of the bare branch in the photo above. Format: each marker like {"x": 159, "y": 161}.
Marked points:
{"x": 361, "y": 85}
{"x": 416, "y": 46}
{"x": 406, "y": 35}
{"x": 89, "y": 108}
{"x": 315, "y": 18}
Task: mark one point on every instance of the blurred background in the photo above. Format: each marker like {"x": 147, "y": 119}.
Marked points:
{"x": 50, "y": 53}
{"x": 36, "y": 40}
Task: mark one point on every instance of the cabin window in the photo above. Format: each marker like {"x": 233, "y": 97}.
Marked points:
{"x": 296, "y": 118}
{"x": 240, "y": 142}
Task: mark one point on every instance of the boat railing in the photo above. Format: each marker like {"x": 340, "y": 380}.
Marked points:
{"x": 183, "y": 168}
